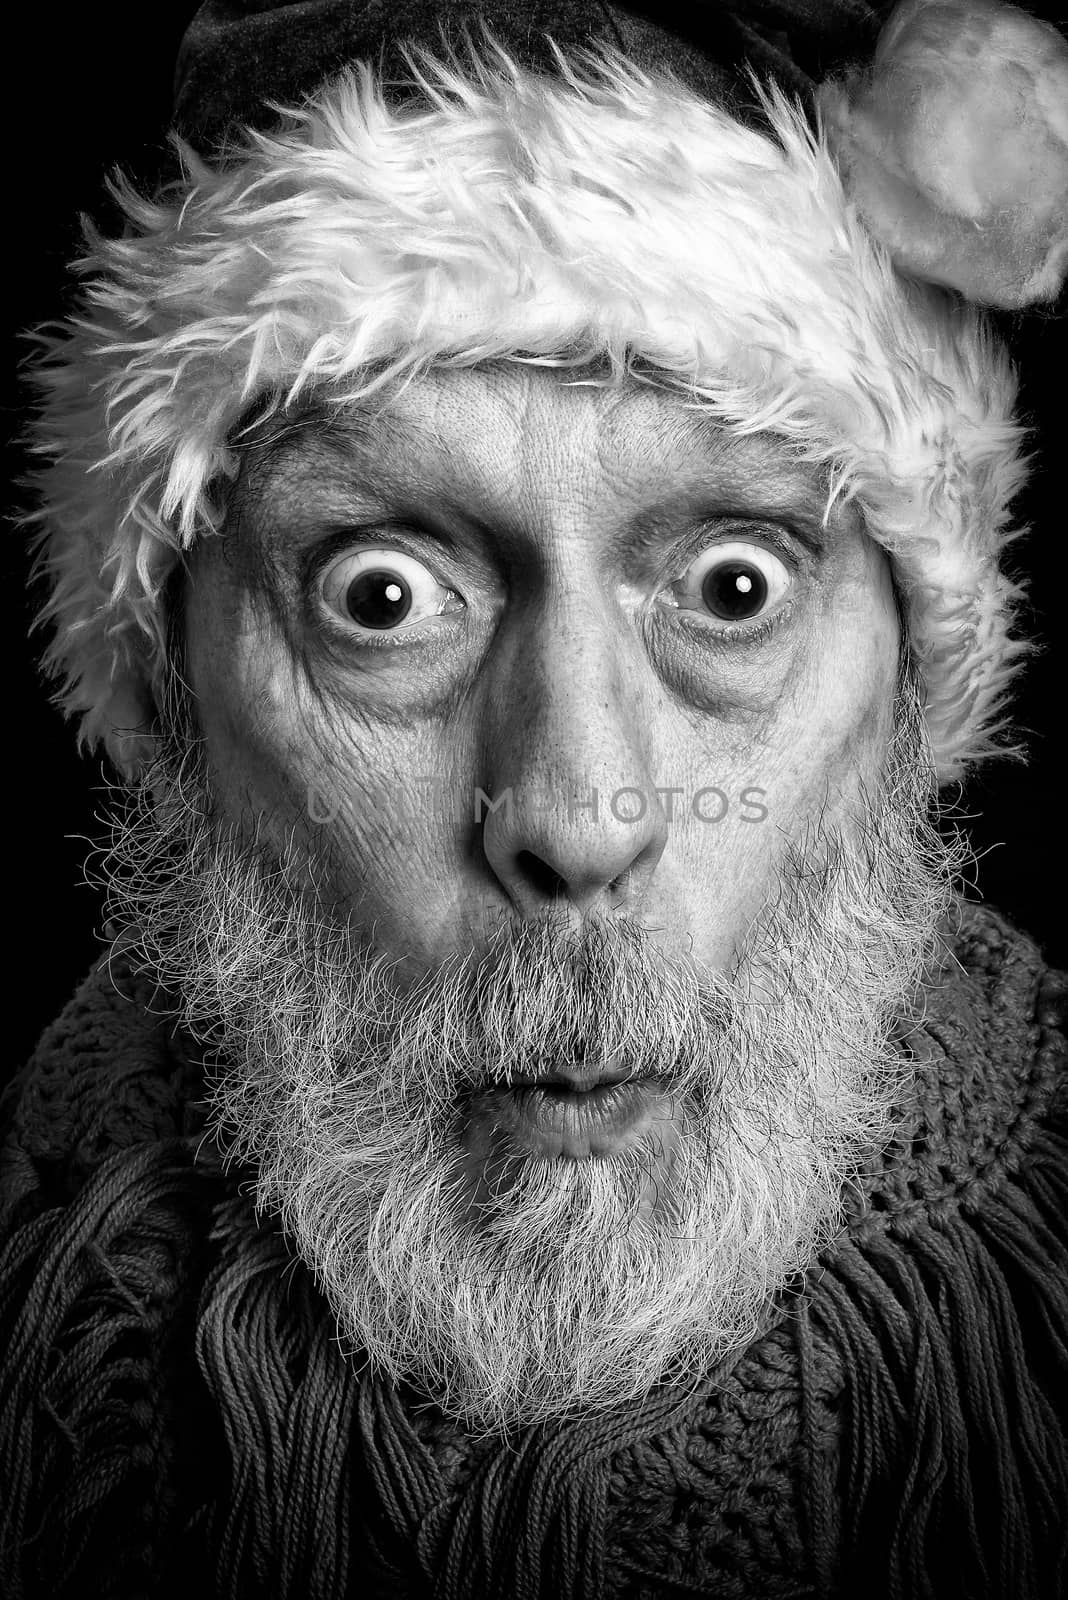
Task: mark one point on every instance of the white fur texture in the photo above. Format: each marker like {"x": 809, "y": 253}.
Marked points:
{"x": 954, "y": 147}
{"x": 601, "y": 214}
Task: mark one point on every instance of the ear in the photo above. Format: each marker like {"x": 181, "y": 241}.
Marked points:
{"x": 128, "y": 740}
{"x": 954, "y": 148}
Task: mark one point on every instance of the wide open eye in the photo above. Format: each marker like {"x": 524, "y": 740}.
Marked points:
{"x": 736, "y": 581}
{"x": 383, "y": 591}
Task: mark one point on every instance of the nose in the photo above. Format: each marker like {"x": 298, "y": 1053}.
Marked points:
{"x": 573, "y": 817}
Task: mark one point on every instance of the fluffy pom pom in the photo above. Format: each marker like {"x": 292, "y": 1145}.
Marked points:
{"x": 954, "y": 148}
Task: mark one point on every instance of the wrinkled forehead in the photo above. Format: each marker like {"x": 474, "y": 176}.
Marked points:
{"x": 470, "y": 425}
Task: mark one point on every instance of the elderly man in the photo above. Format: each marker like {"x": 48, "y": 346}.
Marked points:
{"x": 526, "y": 521}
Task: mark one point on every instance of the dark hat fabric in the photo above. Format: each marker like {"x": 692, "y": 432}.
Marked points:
{"x": 238, "y": 56}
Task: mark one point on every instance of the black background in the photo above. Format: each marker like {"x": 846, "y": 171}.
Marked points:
{"x": 89, "y": 88}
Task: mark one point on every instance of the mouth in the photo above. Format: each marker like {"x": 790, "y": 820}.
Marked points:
{"x": 576, "y": 1077}
{"x": 573, "y": 1113}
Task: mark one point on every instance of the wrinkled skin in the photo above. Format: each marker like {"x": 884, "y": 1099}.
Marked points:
{"x": 574, "y": 656}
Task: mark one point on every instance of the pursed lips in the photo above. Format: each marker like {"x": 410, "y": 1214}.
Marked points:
{"x": 577, "y": 1077}
{"x": 576, "y": 1110}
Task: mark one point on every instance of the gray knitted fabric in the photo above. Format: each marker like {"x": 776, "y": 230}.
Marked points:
{"x": 176, "y": 1418}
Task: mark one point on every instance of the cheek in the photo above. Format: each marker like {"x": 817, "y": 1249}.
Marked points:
{"x": 802, "y": 767}
{"x": 826, "y": 739}
{"x": 371, "y": 811}
{"x": 248, "y": 709}
{"x": 385, "y": 813}
{"x": 844, "y": 721}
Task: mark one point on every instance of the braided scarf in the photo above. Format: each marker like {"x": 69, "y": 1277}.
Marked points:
{"x": 176, "y": 1416}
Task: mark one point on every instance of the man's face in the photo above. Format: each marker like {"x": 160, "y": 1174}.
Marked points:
{"x": 624, "y": 639}
{"x": 548, "y": 732}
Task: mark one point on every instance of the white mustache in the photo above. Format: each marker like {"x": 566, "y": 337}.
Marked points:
{"x": 546, "y": 1002}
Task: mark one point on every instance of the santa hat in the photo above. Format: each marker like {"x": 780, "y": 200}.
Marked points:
{"x": 586, "y": 188}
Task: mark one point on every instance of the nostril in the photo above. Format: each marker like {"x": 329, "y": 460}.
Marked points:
{"x": 582, "y": 870}
{"x": 539, "y": 875}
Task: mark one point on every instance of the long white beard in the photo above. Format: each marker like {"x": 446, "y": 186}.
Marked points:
{"x": 545, "y": 1288}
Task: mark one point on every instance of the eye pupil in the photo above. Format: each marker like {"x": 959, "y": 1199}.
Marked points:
{"x": 378, "y": 599}
{"x": 734, "y": 591}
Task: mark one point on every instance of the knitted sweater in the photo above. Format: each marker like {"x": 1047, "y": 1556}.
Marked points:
{"x": 176, "y": 1416}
